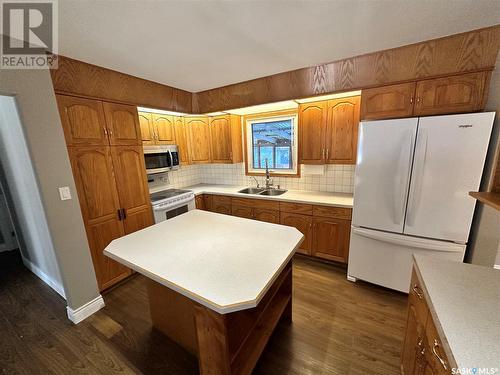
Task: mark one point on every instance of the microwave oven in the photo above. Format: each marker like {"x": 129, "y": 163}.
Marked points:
{"x": 161, "y": 158}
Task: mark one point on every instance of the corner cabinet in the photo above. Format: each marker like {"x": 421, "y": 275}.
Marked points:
{"x": 452, "y": 94}
{"x": 110, "y": 178}
{"x": 328, "y": 131}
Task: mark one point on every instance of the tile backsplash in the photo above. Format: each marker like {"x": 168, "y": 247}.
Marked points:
{"x": 337, "y": 178}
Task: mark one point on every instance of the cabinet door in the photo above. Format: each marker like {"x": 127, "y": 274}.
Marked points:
{"x": 207, "y": 200}
{"x": 147, "y": 130}
{"x": 242, "y": 211}
{"x": 312, "y": 125}
{"x": 164, "y": 129}
{"x": 220, "y": 139}
{"x": 269, "y": 216}
{"x": 82, "y": 121}
{"x": 133, "y": 193}
{"x": 181, "y": 140}
{"x": 414, "y": 342}
{"x": 436, "y": 361}
{"x": 122, "y": 123}
{"x": 93, "y": 171}
{"x": 342, "y": 130}
{"x": 456, "y": 94}
{"x": 304, "y": 224}
{"x": 199, "y": 139}
{"x": 199, "y": 202}
{"x": 387, "y": 101}
{"x": 331, "y": 238}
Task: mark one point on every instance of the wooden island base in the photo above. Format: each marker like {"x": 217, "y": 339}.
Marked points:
{"x": 224, "y": 343}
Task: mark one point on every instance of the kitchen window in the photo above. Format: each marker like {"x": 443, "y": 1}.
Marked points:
{"x": 272, "y": 140}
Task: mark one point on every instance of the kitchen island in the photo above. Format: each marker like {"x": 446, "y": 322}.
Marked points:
{"x": 217, "y": 284}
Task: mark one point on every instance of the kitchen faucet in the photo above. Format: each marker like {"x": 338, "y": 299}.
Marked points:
{"x": 269, "y": 182}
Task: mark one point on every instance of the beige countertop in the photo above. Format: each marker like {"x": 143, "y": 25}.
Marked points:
{"x": 464, "y": 301}
{"x": 298, "y": 196}
{"x": 211, "y": 258}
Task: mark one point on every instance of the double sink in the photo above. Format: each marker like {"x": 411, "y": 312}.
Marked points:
{"x": 261, "y": 191}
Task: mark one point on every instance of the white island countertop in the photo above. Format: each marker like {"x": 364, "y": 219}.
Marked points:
{"x": 297, "y": 196}
{"x": 223, "y": 262}
{"x": 464, "y": 301}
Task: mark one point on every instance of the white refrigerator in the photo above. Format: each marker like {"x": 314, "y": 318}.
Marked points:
{"x": 411, "y": 193}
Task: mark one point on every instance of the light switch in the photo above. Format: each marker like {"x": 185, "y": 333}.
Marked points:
{"x": 64, "y": 193}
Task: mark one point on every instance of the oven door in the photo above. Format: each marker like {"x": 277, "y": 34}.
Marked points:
{"x": 157, "y": 161}
{"x": 162, "y": 214}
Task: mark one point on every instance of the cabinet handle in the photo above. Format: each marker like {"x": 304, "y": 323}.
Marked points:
{"x": 119, "y": 212}
{"x": 418, "y": 99}
{"x": 417, "y": 292}
{"x": 105, "y": 131}
{"x": 124, "y": 214}
{"x": 411, "y": 99}
{"x": 327, "y": 152}
{"x": 434, "y": 351}
{"x": 323, "y": 154}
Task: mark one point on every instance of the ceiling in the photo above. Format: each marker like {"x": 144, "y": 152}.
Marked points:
{"x": 198, "y": 45}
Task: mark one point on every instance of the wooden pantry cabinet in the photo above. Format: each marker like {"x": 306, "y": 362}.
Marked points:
{"x": 326, "y": 229}
{"x": 423, "y": 347}
{"x": 328, "y": 131}
{"x": 110, "y": 177}
{"x": 452, "y": 94}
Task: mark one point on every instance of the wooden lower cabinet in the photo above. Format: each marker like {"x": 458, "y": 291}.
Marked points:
{"x": 242, "y": 211}
{"x": 304, "y": 224}
{"x": 422, "y": 350}
{"x": 269, "y": 216}
{"x": 326, "y": 229}
{"x": 331, "y": 238}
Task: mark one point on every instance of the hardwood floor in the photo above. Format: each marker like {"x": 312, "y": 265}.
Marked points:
{"x": 338, "y": 328}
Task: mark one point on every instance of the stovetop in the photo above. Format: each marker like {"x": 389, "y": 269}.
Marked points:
{"x": 166, "y": 194}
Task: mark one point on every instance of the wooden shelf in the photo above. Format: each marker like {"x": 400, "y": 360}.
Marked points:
{"x": 488, "y": 198}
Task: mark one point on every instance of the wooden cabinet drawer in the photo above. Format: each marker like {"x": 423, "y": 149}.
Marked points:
{"x": 257, "y": 203}
{"x": 270, "y": 216}
{"x": 417, "y": 299}
{"x": 242, "y": 211}
{"x": 335, "y": 212}
{"x": 221, "y": 199}
{"x": 296, "y": 208}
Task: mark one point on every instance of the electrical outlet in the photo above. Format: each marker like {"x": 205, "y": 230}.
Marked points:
{"x": 64, "y": 193}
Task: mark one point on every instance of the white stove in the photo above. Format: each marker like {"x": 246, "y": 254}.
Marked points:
{"x": 170, "y": 203}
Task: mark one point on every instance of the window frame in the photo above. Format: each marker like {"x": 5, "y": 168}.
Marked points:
{"x": 269, "y": 117}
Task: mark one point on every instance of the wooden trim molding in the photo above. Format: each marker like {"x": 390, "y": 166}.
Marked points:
{"x": 460, "y": 53}
{"x": 73, "y": 77}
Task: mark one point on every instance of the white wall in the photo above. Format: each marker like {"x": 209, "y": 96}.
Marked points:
{"x": 38, "y": 250}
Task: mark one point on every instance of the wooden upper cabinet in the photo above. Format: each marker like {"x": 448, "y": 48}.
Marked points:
{"x": 83, "y": 121}
{"x": 199, "y": 139}
{"x": 123, "y": 124}
{"x": 181, "y": 140}
{"x": 304, "y": 224}
{"x": 455, "y": 94}
{"x": 331, "y": 238}
{"x": 164, "y": 129}
{"x": 312, "y": 131}
{"x": 226, "y": 139}
{"x": 388, "y": 101}
{"x": 147, "y": 128}
{"x": 93, "y": 171}
{"x": 342, "y": 130}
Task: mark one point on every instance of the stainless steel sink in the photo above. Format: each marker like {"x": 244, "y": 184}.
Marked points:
{"x": 273, "y": 192}
{"x": 251, "y": 190}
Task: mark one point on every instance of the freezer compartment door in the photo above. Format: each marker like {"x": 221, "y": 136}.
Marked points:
{"x": 381, "y": 182}
{"x": 386, "y": 258}
{"x": 449, "y": 157}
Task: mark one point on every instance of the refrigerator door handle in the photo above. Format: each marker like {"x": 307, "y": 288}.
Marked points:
{"x": 418, "y": 175}
{"x": 402, "y": 182}
{"x": 406, "y": 241}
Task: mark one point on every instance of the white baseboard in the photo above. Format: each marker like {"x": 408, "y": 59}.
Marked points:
{"x": 83, "y": 312}
{"x": 44, "y": 277}
{"x": 497, "y": 266}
